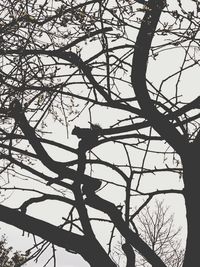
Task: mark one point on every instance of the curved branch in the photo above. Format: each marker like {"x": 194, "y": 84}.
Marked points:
{"x": 68, "y": 56}
{"x": 33, "y": 200}
{"x": 84, "y": 37}
{"x": 139, "y": 66}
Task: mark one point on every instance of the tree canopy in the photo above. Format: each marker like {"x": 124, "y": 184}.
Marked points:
{"x": 99, "y": 115}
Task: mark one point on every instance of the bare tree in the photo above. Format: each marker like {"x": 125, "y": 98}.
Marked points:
{"x": 156, "y": 226}
{"x": 93, "y": 74}
{"x": 157, "y": 229}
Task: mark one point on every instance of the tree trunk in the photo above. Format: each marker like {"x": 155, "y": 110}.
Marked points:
{"x": 191, "y": 176}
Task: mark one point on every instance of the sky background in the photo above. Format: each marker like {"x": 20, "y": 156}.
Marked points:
{"x": 168, "y": 63}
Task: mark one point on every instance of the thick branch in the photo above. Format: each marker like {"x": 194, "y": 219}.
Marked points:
{"x": 57, "y": 167}
{"x": 81, "y": 208}
{"x": 131, "y": 237}
{"x": 130, "y": 255}
{"x": 90, "y": 251}
{"x": 139, "y": 66}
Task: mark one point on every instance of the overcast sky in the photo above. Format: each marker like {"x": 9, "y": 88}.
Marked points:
{"x": 157, "y": 74}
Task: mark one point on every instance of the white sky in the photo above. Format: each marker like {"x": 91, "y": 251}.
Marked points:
{"x": 170, "y": 63}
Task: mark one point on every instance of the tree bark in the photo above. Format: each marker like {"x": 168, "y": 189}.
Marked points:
{"x": 88, "y": 248}
{"x": 191, "y": 176}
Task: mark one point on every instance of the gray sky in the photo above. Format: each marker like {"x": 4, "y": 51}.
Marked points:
{"x": 169, "y": 65}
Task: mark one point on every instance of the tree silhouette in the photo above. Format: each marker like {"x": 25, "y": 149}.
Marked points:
{"x": 96, "y": 73}
{"x": 8, "y": 258}
{"x": 157, "y": 228}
